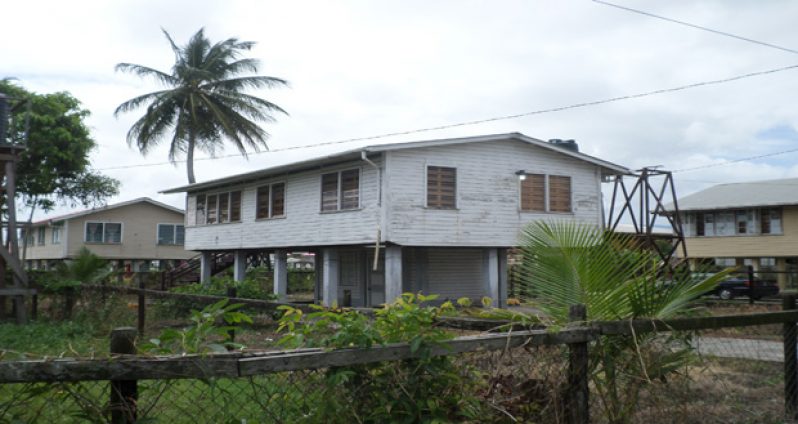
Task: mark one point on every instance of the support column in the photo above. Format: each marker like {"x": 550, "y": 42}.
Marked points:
{"x": 490, "y": 272}
{"x": 239, "y": 265}
{"x": 504, "y": 275}
{"x": 281, "y": 274}
{"x": 781, "y": 272}
{"x": 206, "y": 262}
{"x": 393, "y": 273}
{"x": 330, "y": 275}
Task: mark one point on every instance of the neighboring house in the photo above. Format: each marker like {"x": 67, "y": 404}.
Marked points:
{"x": 138, "y": 234}
{"x": 443, "y": 211}
{"x": 739, "y": 224}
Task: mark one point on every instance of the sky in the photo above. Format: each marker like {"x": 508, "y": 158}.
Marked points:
{"x": 365, "y": 68}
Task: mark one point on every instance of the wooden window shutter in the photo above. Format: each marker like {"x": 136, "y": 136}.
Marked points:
{"x": 199, "y": 213}
{"x": 441, "y": 187}
{"x": 278, "y": 200}
{"x": 262, "y": 202}
{"x": 533, "y": 193}
{"x": 559, "y": 193}
{"x": 235, "y": 206}
{"x": 329, "y": 192}
{"x": 350, "y": 189}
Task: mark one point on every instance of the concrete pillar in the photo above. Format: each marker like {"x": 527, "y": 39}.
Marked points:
{"x": 393, "y": 273}
{"x": 490, "y": 271}
{"x": 239, "y": 265}
{"x": 504, "y": 275}
{"x": 281, "y": 274}
{"x": 330, "y": 276}
{"x": 206, "y": 262}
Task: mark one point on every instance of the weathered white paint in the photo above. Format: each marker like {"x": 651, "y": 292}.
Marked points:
{"x": 280, "y": 274}
{"x": 330, "y": 270}
{"x": 490, "y": 273}
{"x": 303, "y": 224}
{"x": 454, "y": 273}
{"x": 206, "y": 262}
{"x": 239, "y": 265}
{"x": 393, "y": 273}
{"x": 488, "y": 203}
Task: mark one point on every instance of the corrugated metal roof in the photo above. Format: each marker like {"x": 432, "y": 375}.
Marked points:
{"x": 742, "y": 195}
{"x": 310, "y": 160}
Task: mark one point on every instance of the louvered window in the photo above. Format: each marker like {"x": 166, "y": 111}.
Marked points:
{"x": 271, "y": 201}
{"x": 441, "y": 187}
{"x": 218, "y": 208}
{"x": 533, "y": 193}
{"x": 559, "y": 193}
{"x": 340, "y": 190}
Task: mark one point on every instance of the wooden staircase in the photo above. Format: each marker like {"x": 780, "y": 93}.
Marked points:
{"x": 189, "y": 271}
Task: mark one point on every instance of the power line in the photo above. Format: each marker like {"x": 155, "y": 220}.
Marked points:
{"x": 699, "y": 27}
{"x": 493, "y": 119}
{"x": 729, "y": 162}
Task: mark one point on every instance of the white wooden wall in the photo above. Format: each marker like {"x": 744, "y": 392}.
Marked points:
{"x": 488, "y": 211}
{"x": 303, "y": 224}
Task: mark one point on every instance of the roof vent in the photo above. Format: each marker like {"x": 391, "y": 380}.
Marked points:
{"x": 565, "y": 144}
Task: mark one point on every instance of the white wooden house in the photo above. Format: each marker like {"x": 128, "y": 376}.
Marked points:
{"x": 438, "y": 215}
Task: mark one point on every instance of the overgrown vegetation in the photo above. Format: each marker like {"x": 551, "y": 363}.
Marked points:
{"x": 427, "y": 389}
{"x": 566, "y": 264}
{"x": 249, "y": 288}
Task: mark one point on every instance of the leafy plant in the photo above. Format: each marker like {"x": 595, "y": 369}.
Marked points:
{"x": 68, "y": 276}
{"x": 566, "y": 264}
{"x": 427, "y": 389}
{"x": 204, "y": 335}
{"x": 249, "y": 288}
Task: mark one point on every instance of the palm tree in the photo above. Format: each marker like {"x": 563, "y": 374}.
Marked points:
{"x": 566, "y": 264}
{"x": 203, "y": 101}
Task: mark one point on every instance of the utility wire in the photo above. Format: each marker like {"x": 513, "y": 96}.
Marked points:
{"x": 486, "y": 120}
{"x": 729, "y": 162}
{"x": 699, "y": 27}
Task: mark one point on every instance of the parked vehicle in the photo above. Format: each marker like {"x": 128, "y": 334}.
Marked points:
{"x": 734, "y": 287}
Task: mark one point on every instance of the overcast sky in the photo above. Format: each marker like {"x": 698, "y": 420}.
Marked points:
{"x": 363, "y": 68}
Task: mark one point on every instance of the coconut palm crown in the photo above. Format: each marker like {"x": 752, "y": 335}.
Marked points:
{"x": 203, "y": 102}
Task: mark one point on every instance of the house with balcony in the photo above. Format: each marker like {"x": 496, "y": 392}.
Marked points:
{"x": 138, "y": 235}
{"x": 741, "y": 224}
{"x": 433, "y": 216}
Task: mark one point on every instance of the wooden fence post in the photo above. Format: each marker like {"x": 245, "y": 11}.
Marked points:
{"x": 577, "y": 411}
{"x": 232, "y": 293}
{"x": 790, "y": 332}
{"x": 124, "y": 393}
{"x": 142, "y": 306}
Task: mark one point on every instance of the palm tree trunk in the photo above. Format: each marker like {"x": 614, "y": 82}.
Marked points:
{"x": 190, "y": 159}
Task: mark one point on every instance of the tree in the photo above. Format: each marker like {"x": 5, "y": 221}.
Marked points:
{"x": 566, "y": 264}
{"x": 54, "y": 168}
{"x": 203, "y": 102}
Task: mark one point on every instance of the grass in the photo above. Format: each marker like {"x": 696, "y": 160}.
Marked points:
{"x": 51, "y": 339}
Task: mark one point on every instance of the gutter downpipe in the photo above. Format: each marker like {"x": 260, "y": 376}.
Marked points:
{"x": 364, "y": 157}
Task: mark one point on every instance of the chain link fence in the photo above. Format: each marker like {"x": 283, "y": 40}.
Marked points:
{"x": 694, "y": 370}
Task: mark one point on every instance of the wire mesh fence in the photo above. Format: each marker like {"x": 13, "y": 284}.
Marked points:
{"x": 704, "y": 370}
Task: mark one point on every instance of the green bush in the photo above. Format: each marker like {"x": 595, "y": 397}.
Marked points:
{"x": 426, "y": 389}
{"x": 249, "y": 288}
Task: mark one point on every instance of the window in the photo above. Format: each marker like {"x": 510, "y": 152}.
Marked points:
{"x": 171, "y": 234}
{"x": 270, "y": 201}
{"x": 533, "y": 193}
{"x": 441, "y": 187}
{"x": 770, "y": 221}
{"x": 559, "y": 193}
{"x": 57, "y": 234}
{"x": 199, "y": 217}
{"x": 340, "y": 190}
{"x": 724, "y": 224}
{"x": 218, "y": 208}
{"x": 725, "y": 262}
{"x": 103, "y": 232}
{"x": 27, "y": 237}
{"x": 40, "y": 236}
{"x": 699, "y": 224}
{"x": 709, "y": 224}
{"x": 767, "y": 262}
{"x": 744, "y": 222}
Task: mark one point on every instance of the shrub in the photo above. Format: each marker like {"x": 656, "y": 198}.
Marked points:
{"x": 427, "y": 389}
{"x": 249, "y": 288}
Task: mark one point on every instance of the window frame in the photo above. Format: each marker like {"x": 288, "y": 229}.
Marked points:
{"x": 103, "y": 223}
{"x": 546, "y": 194}
{"x": 339, "y": 190}
{"x": 56, "y": 229}
{"x": 217, "y": 213}
{"x": 456, "y": 205}
{"x": 41, "y": 235}
{"x": 270, "y": 201}
{"x": 174, "y": 234}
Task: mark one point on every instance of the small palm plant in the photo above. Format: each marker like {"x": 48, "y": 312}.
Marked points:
{"x": 566, "y": 264}
{"x": 85, "y": 268}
